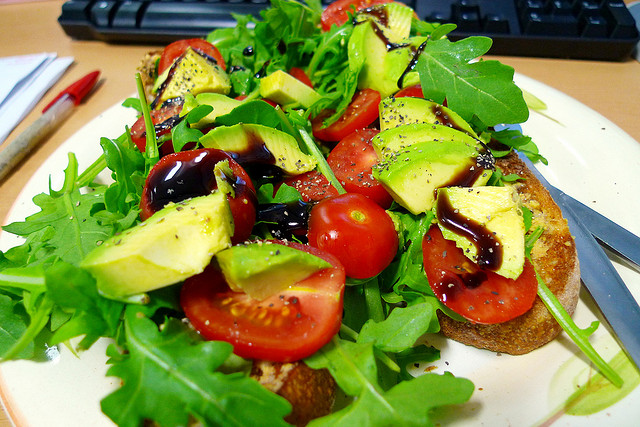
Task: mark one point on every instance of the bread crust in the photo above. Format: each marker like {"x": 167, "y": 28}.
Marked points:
{"x": 554, "y": 257}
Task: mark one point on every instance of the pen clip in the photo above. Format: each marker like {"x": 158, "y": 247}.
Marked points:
{"x": 78, "y": 90}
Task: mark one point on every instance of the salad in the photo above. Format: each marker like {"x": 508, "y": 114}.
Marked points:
{"x": 281, "y": 138}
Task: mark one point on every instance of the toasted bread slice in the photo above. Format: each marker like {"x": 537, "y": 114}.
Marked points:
{"x": 311, "y": 392}
{"x": 147, "y": 70}
{"x": 554, "y": 257}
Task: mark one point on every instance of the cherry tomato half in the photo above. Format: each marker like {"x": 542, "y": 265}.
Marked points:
{"x": 288, "y": 326}
{"x": 336, "y": 12}
{"x": 177, "y": 48}
{"x": 312, "y": 186}
{"x": 187, "y": 174}
{"x": 355, "y": 230}
{"x": 362, "y": 111}
{"x": 410, "y": 91}
{"x": 352, "y": 160}
{"x": 163, "y": 119}
{"x": 480, "y": 296}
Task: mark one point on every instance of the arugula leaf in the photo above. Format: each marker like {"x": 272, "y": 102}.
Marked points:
{"x": 285, "y": 194}
{"x": 401, "y": 329}
{"x": 408, "y": 403}
{"x": 182, "y": 134}
{"x": 484, "y": 88}
{"x": 65, "y": 223}
{"x": 74, "y": 290}
{"x": 128, "y": 167}
{"x": 169, "y": 374}
{"x": 579, "y": 336}
{"x": 13, "y": 324}
{"x": 256, "y": 111}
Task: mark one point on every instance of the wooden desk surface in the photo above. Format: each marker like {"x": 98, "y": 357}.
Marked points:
{"x": 612, "y": 89}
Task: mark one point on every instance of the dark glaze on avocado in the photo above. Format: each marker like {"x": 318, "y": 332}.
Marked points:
{"x": 490, "y": 250}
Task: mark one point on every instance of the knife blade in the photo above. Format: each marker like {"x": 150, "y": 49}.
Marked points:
{"x": 616, "y": 303}
{"x": 616, "y": 238}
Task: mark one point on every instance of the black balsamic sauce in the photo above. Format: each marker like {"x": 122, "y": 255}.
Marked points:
{"x": 285, "y": 220}
{"x": 489, "y": 249}
{"x": 263, "y": 71}
{"x": 248, "y": 51}
{"x": 187, "y": 178}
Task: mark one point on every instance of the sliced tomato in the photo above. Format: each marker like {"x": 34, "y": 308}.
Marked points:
{"x": 163, "y": 119}
{"x": 410, "y": 91}
{"x": 312, "y": 186}
{"x": 362, "y": 111}
{"x": 337, "y": 12}
{"x": 480, "y": 296}
{"x": 285, "y": 327}
{"x": 356, "y": 231}
{"x": 352, "y": 160}
{"x": 299, "y": 74}
{"x": 187, "y": 174}
{"x": 177, "y": 48}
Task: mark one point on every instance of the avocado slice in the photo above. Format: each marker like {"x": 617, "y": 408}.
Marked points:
{"x": 192, "y": 73}
{"x": 380, "y": 42}
{"x": 487, "y": 224}
{"x": 286, "y": 90}
{"x": 220, "y": 103}
{"x": 416, "y": 159}
{"x": 253, "y": 143}
{"x": 395, "y": 112}
{"x": 176, "y": 242}
{"x": 261, "y": 269}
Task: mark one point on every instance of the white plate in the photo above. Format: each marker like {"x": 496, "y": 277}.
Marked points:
{"x": 590, "y": 158}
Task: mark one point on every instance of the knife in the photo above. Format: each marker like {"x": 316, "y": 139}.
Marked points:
{"x": 609, "y": 234}
{"x": 601, "y": 279}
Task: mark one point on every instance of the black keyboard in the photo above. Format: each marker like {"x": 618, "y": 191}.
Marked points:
{"x": 581, "y": 29}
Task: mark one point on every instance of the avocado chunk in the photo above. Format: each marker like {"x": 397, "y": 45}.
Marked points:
{"x": 286, "y": 90}
{"x": 487, "y": 224}
{"x": 262, "y": 269}
{"x": 192, "y": 73}
{"x": 396, "y": 112}
{"x": 253, "y": 143}
{"x": 417, "y": 159}
{"x": 175, "y": 243}
{"x": 380, "y": 43}
{"x": 220, "y": 103}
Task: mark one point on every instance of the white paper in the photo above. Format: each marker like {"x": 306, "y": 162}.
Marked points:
{"x": 30, "y": 77}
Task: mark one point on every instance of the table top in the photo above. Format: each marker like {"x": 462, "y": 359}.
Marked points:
{"x": 610, "y": 88}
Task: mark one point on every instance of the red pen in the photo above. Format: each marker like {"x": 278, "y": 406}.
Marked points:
{"x": 52, "y": 115}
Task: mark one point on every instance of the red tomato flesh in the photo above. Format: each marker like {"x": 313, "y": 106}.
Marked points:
{"x": 285, "y": 327}
{"x": 336, "y": 12}
{"x": 163, "y": 119}
{"x": 177, "y": 48}
{"x": 362, "y": 111}
{"x": 480, "y": 296}
{"x": 312, "y": 186}
{"x": 410, "y": 91}
{"x": 355, "y": 230}
{"x": 352, "y": 160}
{"x": 187, "y": 174}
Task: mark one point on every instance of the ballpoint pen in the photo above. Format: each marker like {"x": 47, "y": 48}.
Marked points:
{"x": 52, "y": 115}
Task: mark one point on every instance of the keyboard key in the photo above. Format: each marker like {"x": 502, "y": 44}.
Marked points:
{"x": 496, "y": 24}
{"x": 594, "y": 26}
{"x": 127, "y": 15}
{"x": 621, "y": 23}
{"x": 558, "y": 25}
{"x": 101, "y": 12}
